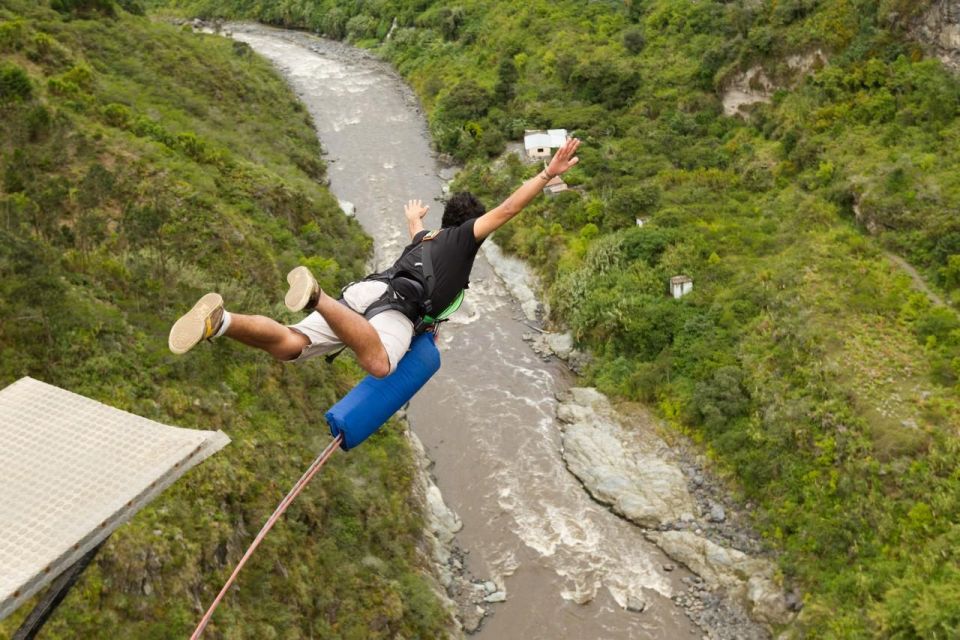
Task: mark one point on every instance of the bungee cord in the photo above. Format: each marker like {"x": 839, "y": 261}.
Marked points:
{"x": 294, "y": 492}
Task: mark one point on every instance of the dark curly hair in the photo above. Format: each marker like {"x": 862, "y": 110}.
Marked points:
{"x": 461, "y": 207}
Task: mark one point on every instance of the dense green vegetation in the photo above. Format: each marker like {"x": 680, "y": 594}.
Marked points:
{"x": 141, "y": 166}
{"x": 804, "y": 360}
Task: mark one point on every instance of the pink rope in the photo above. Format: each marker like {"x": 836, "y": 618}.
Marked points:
{"x": 294, "y": 492}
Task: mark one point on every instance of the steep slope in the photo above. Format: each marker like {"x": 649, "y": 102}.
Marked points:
{"x": 142, "y": 166}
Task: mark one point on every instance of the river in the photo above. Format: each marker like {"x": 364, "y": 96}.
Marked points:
{"x": 488, "y": 418}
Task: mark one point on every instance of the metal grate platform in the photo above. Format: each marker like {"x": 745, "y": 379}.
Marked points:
{"x": 71, "y": 471}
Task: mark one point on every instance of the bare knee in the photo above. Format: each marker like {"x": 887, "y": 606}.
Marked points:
{"x": 290, "y": 347}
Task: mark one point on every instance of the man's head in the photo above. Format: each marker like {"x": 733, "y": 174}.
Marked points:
{"x": 461, "y": 207}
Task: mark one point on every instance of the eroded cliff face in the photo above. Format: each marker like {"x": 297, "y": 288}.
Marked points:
{"x": 757, "y": 84}
{"x": 938, "y": 28}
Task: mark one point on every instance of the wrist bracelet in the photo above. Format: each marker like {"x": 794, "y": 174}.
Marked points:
{"x": 546, "y": 176}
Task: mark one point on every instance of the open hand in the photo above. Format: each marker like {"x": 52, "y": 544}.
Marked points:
{"x": 564, "y": 158}
{"x": 415, "y": 210}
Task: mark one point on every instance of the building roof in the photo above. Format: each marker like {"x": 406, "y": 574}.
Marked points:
{"x": 539, "y": 139}
{"x": 680, "y": 279}
{"x": 556, "y": 181}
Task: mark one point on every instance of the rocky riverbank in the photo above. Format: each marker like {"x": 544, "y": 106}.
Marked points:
{"x": 467, "y": 598}
{"x": 665, "y": 489}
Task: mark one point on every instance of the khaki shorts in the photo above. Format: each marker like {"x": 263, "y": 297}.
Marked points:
{"x": 394, "y": 328}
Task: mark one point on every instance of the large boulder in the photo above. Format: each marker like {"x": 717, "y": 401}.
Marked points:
{"x": 629, "y": 469}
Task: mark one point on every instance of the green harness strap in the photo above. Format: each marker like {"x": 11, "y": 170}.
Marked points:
{"x": 446, "y": 313}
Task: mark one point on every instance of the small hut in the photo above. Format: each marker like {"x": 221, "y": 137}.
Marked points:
{"x": 540, "y": 143}
{"x": 555, "y": 186}
{"x": 680, "y": 286}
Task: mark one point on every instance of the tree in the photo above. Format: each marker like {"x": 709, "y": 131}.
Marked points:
{"x": 722, "y": 398}
{"x": 466, "y": 101}
{"x": 605, "y": 82}
{"x": 507, "y": 76}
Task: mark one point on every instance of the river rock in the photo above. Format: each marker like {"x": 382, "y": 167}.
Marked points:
{"x": 636, "y": 604}
{"x": 548, "y": 344}
{"x": 496, "y": 596}
{"x": 441, "y": 519}
{"x": 348, "y": 208}
{"x": 717, "y": 514}
{"x": 628, "y": 470}
{"x": 472, "y": 619}
{"x": 560, "y": 344}
{"x": 750, "y": 580}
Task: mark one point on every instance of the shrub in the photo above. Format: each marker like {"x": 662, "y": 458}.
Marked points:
{"x": 361, "y": 26}
{"x": 135, "y": 7}
{"x": 85, "y": 7}
{"x": 446, "y": 20}
{"x": 634, "y": 40}
{"x": 13, "y": 35}
{"x": 117, "y": 115}
{"x": 45, "y": 49}
{"x": 39, "y": 121}
{"x": 14, "y": 83}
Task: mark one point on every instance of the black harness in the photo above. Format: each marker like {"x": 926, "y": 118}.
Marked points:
{"x": 410, "y": 283}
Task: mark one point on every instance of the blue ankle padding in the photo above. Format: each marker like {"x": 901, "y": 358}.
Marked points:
{"x": 371, "y": 403}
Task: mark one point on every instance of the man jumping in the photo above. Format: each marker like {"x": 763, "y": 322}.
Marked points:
{"x": 377, "y": 316}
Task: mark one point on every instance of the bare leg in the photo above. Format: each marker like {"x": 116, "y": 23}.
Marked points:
{"x": 355, "y": 332}
{"x": 281, "y": 342}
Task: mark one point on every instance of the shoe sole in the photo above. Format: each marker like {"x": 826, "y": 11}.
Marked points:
{"x": 191, "y": 328}
{"x": 301, "y": 286}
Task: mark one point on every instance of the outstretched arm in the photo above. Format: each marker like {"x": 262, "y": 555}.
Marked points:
{"x": 563, "y": 160}
{"x": 414, "y": 212}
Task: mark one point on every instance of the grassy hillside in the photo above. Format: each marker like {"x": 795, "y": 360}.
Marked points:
{"x": 141, "y": 166}
{"x": 805, "y": 361}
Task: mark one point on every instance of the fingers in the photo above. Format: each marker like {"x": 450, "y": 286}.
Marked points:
{"x": 564, "y": 158}
{"x": 416, "y": 207}
{"x": 569, "y": 148}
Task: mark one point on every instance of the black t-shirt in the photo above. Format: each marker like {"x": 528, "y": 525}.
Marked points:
{"x": 452, "y": 253}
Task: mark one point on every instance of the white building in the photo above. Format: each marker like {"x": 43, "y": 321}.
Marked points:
{"x": 555, "y": 186}
{"x": 680, "y": 286}
{"x": 539, "y": 144}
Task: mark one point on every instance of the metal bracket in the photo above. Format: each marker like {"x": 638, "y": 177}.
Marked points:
{"x": 55, "y": 594}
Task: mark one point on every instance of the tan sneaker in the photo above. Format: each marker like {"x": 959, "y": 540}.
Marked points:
{"x": 304, "y": 291}
{"x": 201, "y": 322}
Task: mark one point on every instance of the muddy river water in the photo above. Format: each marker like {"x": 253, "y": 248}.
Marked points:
{"x": 568, "y": 565}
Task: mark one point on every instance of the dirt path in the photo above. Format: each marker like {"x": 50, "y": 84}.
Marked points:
{"x": 918, "y": 280}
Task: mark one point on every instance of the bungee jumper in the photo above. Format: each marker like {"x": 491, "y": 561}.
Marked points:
{"x": 388, "y": 320}
{"x": 377, "y": 317}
